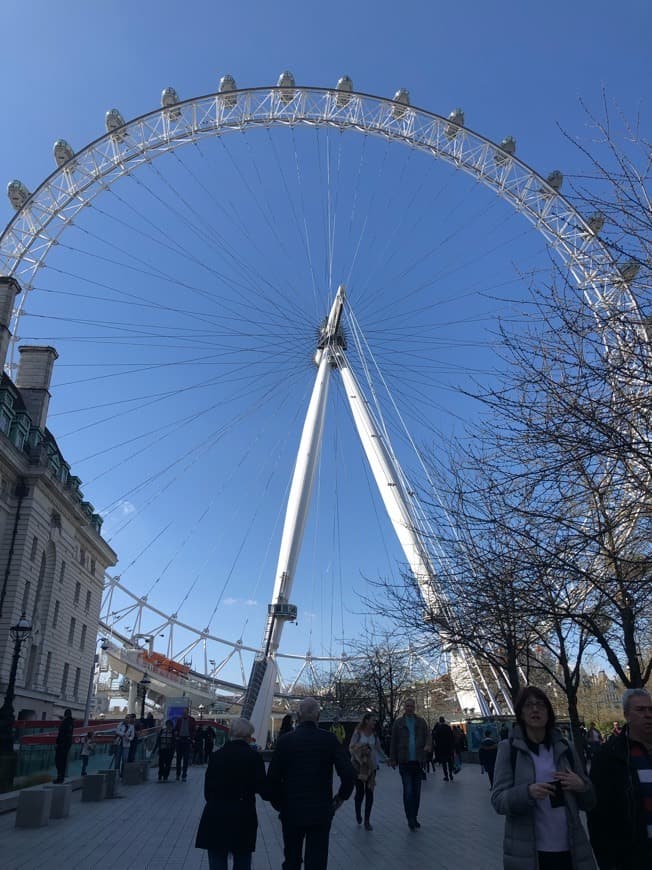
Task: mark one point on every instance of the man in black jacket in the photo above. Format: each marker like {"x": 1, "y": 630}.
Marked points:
{"x": 63, "y": 744}
{"x": 300, "y": 779}
{"x": 620, "y": 826}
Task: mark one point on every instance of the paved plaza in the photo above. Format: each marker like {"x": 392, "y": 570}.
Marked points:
{"x": 152, "y": 827}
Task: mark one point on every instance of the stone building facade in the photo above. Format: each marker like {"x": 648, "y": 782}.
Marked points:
{"x": 52, "y": 554}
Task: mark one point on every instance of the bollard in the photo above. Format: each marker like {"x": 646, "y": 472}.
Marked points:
{"x": 111, "y": 776}
{"x": 132, "y": 773}
{"x": 93, "y": 787}
{"x": 61, "y": 800}
{"x": 33, "y": 809}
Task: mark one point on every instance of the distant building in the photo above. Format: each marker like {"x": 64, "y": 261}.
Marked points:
{"x": 52, "y": 554}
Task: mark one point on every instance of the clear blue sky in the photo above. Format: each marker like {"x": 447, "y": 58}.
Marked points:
{"x": 514, "y": 68}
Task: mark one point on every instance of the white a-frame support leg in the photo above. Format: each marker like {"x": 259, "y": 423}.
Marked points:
{"x": 260, "y": 691}
{"x": 396, "y": 500}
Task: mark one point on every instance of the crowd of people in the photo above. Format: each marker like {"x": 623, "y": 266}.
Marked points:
{"x": 538, "y": 780}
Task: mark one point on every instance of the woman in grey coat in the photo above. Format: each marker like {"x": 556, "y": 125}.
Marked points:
{"x": 540, "y": 787}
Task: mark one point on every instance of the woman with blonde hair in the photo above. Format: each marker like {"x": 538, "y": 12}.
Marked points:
{"x": 366, "y": 753}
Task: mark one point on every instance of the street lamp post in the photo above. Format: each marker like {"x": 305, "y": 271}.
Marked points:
{"x": 19, "y": 634}
{"x": 144, "y": 683}
{"x": 201, "y": 709}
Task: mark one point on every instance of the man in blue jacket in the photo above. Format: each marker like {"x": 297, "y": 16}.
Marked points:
{"x": 300, "y": 779}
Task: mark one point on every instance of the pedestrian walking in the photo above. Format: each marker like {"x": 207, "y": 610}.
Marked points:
{"x": 63, "y": 744}
{"x": 409, "y": 746}
{"x": 459, "y": 746}
{"x": 234, "y": 776}
{"x": 620, "y": 825}
{"x": 125, "y": 733}
{"x": 184, "y": 732}
{"x": 540, "y": 787}
{"x": 88, "y": 749}
{"x": 487, "y": 752}
{"x": 165, "y": 744}
{"x": 366, "y": 753}
{"x": 209, "y": 742}
{"x": 444, "y": 741}
{"x": 300, "y": 779}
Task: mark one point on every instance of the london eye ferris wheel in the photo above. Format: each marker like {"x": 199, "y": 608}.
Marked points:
{"x": 202, "y": 270}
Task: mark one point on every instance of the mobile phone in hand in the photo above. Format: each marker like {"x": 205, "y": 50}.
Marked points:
{"x": 557, "y": 799}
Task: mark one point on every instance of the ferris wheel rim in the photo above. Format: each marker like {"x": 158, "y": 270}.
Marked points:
{"x": 598, "y": 270}
{"x": 593, "y": 260}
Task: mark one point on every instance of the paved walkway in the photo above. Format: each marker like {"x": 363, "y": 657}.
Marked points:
{"x": 153, "y": 826}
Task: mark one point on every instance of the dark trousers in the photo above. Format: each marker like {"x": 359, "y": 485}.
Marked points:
{"x": 555, "y": 861}
{"x": 60, "y": 760}
{"x": 361, "y": 791}
{"x": 220, "y": 860}
{"x": 316, "y": 843}
{"x": 164, "y": 762}
{"x": 411, "y": 777}
{"x": 84, "y": 761}
{"x": 183, "y": 755}
{"x": 447, "y": 767}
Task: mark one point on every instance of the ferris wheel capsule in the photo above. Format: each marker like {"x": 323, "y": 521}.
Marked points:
{"x": 343, "y": 87}
{"x": 287, "y": 84}
{"x": 595, "y": 222}
{"x": 227, "y": 86}
{"x": 114, "y": 122}
{"x": 629, "y": 270}
{"x": 456, "y": 120}
{"x": 63, "y": 152}
{"x": 507, "y": 149}
{"x": 169, "y": 100}
{"x": 401, "y": 99}
{"x": 18, "y": 194}
{"x": 555, "y": 180}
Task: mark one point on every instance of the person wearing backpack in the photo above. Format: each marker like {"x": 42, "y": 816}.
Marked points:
{"x": 165, "y": 743}
{"x": 540, "y": 787}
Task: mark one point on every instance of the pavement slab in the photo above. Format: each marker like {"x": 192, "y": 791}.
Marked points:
{"x": 152, "y": 827}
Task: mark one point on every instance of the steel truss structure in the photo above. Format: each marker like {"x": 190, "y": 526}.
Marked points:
{"x": 45, "y": 214}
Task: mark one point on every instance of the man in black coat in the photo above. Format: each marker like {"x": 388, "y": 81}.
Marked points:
{"x": 442, "y": 734}
{"x": 620, "y": 825}
{"x": 63, "y": 744}
{"x": 300, "y": 779}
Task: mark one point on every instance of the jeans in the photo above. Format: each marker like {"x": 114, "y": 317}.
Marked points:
{"x": 61, "y": 760}
{"x": 183, "y": 756}
{"x": 316, "y": 840}
{"x": 84, "y": 761}
{"x": 220, "y": 860}
{"x": 164, "y": 762}
{"x": 411, "y": 776}
{"x": 361, "y": 791}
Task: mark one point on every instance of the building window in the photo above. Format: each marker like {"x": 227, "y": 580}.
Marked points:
{"x": 55, "y": 618}
{"x": 82, "y": 556}
{"x": 46, "y": 672}
{"x": 88, "y": 600}
{"x": 26, "y": 592}
{"x": 71, "y": 633}
{"x": 77, "y": 593}
{"x": 82, "y": 638}
{"x": 64, "y": 680}
{"x": 62, "y": 572}
{"x": 75, "y": 689}
{"x": 93, "y": 567}
{"x": 32, "y": 554}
